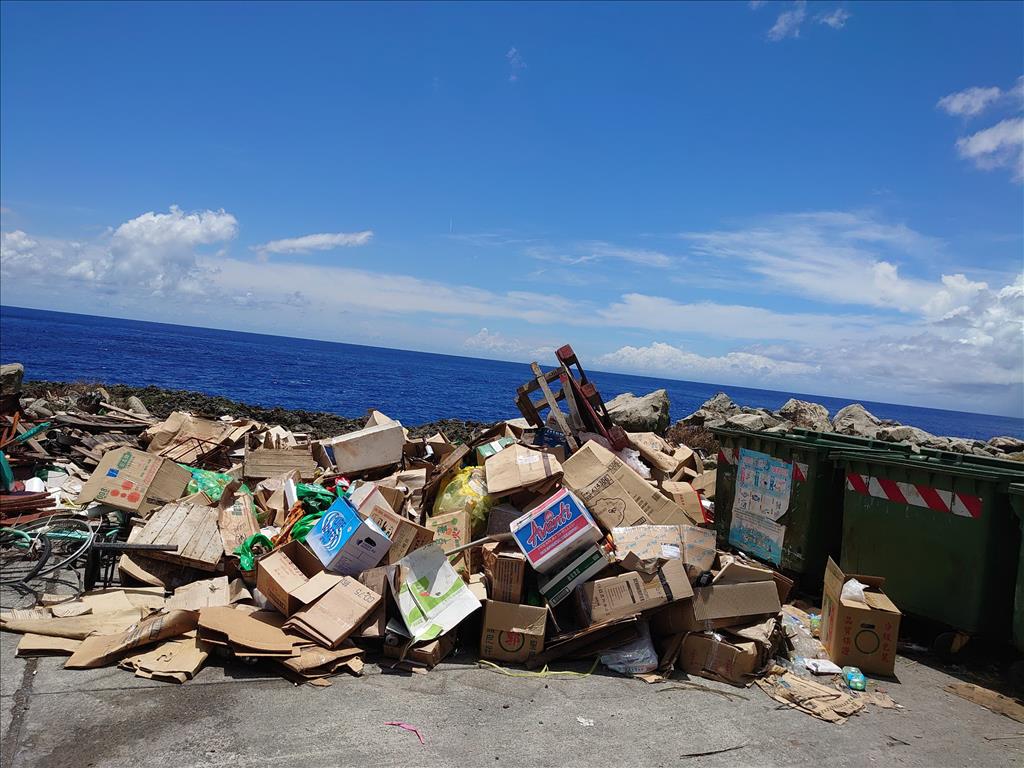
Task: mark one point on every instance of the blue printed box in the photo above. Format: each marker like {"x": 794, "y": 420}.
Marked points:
{"x": 345, "y": 542}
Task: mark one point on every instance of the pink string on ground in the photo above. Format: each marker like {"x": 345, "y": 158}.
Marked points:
{"x": 407, "y": 727}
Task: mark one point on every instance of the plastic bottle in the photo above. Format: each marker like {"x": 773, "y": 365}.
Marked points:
{"x": 854, "y": 678}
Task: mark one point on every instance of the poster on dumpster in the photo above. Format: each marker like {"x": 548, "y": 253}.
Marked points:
{"x": 763, "y": 485}
{"x": 757, "y": 535}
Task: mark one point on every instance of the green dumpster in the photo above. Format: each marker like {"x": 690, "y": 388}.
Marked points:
{"x": 813, "y": 516}
{"x": 939, "y": 528}
{"x": 1017, "y": 503}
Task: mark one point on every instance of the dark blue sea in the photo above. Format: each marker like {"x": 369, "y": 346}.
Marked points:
{"x": 346, "y": 379}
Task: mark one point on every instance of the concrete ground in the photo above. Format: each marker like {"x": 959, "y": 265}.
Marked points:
{"x": 237, "y": 716}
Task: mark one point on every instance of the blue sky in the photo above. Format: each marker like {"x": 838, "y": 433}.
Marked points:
{"x": 821, "y": 197}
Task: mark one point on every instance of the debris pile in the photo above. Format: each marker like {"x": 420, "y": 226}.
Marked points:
{"x": 554, "y": 537}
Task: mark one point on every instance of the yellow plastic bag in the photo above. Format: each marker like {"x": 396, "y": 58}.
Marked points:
{"x": 467, "y": 491}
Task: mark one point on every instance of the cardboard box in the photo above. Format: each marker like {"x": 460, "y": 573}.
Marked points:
{"x": 657, "y": 452}
{"x": 281, "y": 573}
{"x": 451, "y": 531}
{"x": 428, "y": 654}
{"x": 859, "y": 634}
{"x": 134, "y": 481}
{"x": 615, "y": 494}
{"x": 587, "y": 564}
{"x": 405, "y": 535}
{"x": 688, "y": 500}
{"x": 370, "y": 448}
{"x": 720, "y": 657}
{"x": 345, "y": 542}
{"x": 518, "y": 467}
{"x": 648, "y": 542}
{"x": 337, "y": 614}
{"x": 698, "y": 550}
{"x": 512, "y": 632}
{"x": 617, "y": 597}
{"x": 262, "y": 463}
{"x": 485, "y": 451}
{"x": 705, "y": 483}
{"x": 553, "y": 530}
{"x": 717, "y": 606}
{"x": 505, "y": 567}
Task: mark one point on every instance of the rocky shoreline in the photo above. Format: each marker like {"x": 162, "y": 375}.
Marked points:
{"x": 648, "y": 413}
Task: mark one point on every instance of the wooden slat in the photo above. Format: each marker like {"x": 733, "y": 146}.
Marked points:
{"x": 553, "y": 405}
{"x": 192, "y": 528}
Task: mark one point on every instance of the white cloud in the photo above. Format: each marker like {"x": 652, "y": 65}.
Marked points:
{"x": 1000, "y": 146}
{"x": 494, "y": 343}
{"x": 788, "y": 23}
{"x": 591, "y": 251}
{"x": 515, "y": 64}
{"x": 667, "y": 360}
{"x": 320, "y": 242}
{"x": 969, "y": 102}
{"x": 154, "y": 253}
{"x": 836, "y": 19}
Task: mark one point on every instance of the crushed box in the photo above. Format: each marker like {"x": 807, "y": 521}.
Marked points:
{"x": 505, "y": 567}
{"x": 617, "y": 597}
{"x": 134, "y": 481}
{"x": 282, "y": 575}
{"x": 717, "y": 606}
{"x": 518, "y": 467}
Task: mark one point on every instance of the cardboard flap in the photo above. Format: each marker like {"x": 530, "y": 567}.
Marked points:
{"x": 879, "y": 601}
{"x": 315, "y": 587}
{"x": 519, "y": 467}
{"x": 256, "y": 631}
{"x": 834, "y": 579}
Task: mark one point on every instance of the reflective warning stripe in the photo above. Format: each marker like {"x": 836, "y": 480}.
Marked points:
{"x": 911, "y": 494}
{"x": 726, "y": 455}
{"x": 799, "y": 471}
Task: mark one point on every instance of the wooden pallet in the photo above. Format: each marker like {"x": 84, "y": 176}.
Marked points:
{"x": 192, "y": 528}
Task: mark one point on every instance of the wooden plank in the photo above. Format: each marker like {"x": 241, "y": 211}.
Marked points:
{"x": 990, "y": 700}
{"x": 192, "y": 528}
{"x": 271, "y": 462}
{"x": 162, "y": 523}
{"x": 553, "y": 405}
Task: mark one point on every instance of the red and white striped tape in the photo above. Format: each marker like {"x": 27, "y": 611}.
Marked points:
{"x": 726, "y": 455}
{"x": 962, "y": 504}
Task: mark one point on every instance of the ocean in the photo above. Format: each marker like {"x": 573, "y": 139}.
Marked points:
{"x": 346, "y": 379}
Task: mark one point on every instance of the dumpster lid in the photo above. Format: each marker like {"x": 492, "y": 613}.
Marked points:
{"x": 953, "y": 463}
{"x": 806, "y": 438}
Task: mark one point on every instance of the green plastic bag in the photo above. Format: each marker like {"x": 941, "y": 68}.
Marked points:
{"x": 246, "y": 557}
{"x": 314, "y": 497}
{"x": 467, "y": 491}
{"x": 209, "y": 482}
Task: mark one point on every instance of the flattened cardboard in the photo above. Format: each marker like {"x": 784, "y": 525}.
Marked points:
{"x": 100, "y": 650}
{"x": 518, "y": 467}
{"x": 857, "y": 634}
{"x": 135, "y": 481}
{"x": 43, "y": 645}
{"x": 370, "y": 448}
{"x": 206, "y": 593}
{"x": 340, "y": 612}
{"x": 648, "y": 542}
{"x": 615, "y": 494}
{"x": 505, "y": 567}
{"x": 257, "y": 634}
{"x": 512, "y": 632}
{"x": 173, "y": 661}
{"x": 717, "y": 606}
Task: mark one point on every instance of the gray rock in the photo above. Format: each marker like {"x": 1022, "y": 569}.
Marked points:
{"x": 641, "y": 414}
{"x": 714, "y": 422}
{"x": 808, "y": 415}
{"x": 137, "y": 406}
{"x": 751, "y": 421}
{"x": 904, "y": 434}
{"x": 720, "y": 403}
{"x": 855, "y": 419}
{"x": 11, "y": 375}
{"x": 1006, "y": 444}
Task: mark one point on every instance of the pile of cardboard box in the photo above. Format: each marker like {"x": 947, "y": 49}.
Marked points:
{"x": 514, "y": 545}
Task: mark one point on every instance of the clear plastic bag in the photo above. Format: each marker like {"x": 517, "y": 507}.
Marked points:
{"x": 854, "y": 590}
{"x": 635, "y": 658}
